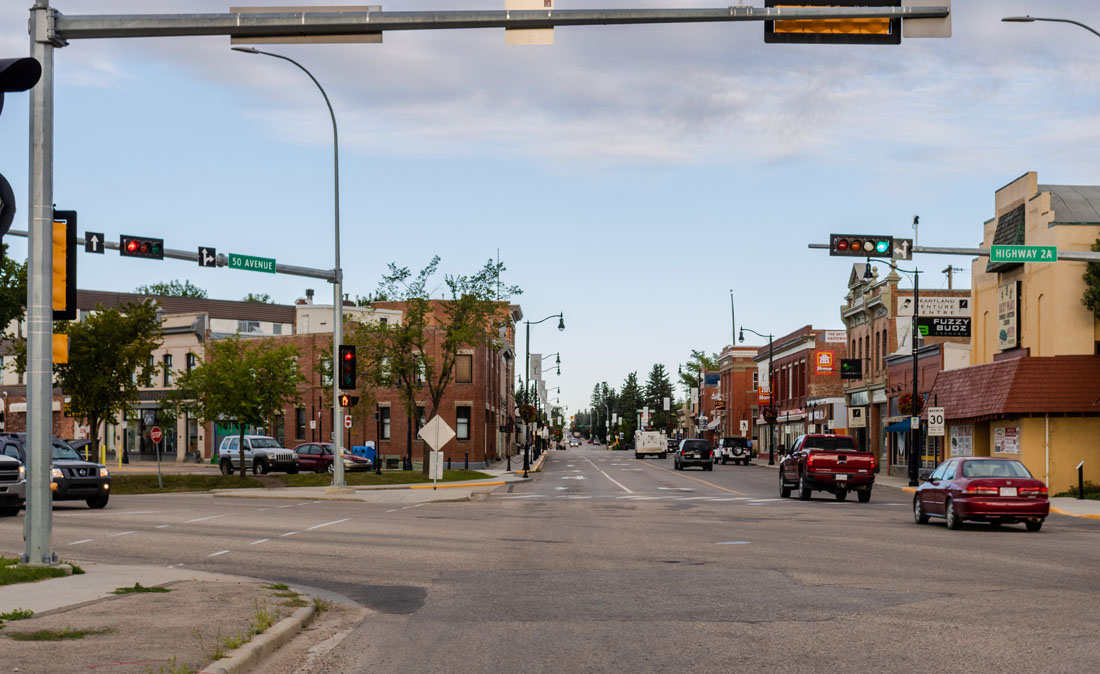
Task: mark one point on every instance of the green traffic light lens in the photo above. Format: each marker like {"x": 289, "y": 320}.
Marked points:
{"x": 882, "y": 246}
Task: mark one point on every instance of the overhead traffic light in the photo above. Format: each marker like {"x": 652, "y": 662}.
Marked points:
{"x": 861, "y": 245}
{"x": 834, "y": 31}
{"x": 347, "y": 366}
{"x": 18, "y": 74}
{"x": 64, "y": 265}
{"x": 348, "y": 401}
{"x": 141, "y": 246}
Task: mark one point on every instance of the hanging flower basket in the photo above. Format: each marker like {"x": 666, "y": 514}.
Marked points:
{"x": 770, "y": 416}
{"x": 906, "y": 406}
{"x": 527, "y": 412}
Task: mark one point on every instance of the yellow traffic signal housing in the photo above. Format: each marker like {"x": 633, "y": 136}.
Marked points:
{"x": 833, "y": 31}
{"x": 64, "y": 266}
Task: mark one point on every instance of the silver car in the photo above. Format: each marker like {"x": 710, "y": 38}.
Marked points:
{"x": 262, "y": 454}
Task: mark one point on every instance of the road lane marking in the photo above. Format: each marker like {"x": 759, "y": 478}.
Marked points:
{"x": 219, "y": 552}
{"x": 289, "y": 505}
{"x": 676, "y": 488}
{"x": 203, "y": 519}
{"x": 289, "y": 533}
{"x": 262, "y": 540}
{"x": 327, "y": 524}
{"x": 86, "y": 540}
{"x": 139, "y": 512}
{"x": 732, "y": 543}
{"x": 573, "y": 477}
{"x": 629, "y": 491}
{"x": 688, "y": 477}
{"x": 122, "y": 533}
{"x": 393, "y": 510}
{"x": 162, "y": 526}
{"x": 764, "y": 500}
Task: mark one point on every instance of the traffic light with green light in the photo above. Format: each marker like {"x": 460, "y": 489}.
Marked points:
{"x": 861, "y": 245}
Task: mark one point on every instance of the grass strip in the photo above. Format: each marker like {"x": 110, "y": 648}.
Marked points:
{"x": 66, "y": 634}
{"x": 147, "y": 484}
{"x": 12, "y": 572}
{"x": 386, "y": 478}
{"x": 139, "y": 588}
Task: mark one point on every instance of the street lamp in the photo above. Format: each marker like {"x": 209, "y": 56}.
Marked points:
{"x": 1031, "y": 19}
{"x": 771, "y": 392}
{"x": 914, "y": 431}
{"x": 527, "y": 377}
{"x": 699, "y": 388}
{"x": 337, "y": 281}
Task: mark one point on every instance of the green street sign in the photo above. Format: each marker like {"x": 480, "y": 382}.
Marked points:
{"x": 1023, "y": 254}
{"x": 252, "y": 263}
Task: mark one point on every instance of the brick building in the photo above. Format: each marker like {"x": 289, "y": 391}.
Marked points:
{"x": 738, "y": 386}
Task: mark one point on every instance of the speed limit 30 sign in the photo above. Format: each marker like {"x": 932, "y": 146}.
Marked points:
{"x": 935, "y": 421}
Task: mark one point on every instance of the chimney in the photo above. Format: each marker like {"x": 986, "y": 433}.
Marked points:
{"x": 309, "y": 295}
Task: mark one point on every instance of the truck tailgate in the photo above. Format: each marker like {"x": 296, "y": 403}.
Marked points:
{"x": 846, "y": 463}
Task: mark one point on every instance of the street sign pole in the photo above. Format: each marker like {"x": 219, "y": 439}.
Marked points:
{"x": 156, "y": 435}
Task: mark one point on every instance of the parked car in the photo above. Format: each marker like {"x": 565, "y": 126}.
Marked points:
{"x": 737, "y": 450}
{"x": 693, "y": 452}
{"x": 995, "y": 490}
{"x": 832, "y": 463}
{"x": 13, "y": 484}
{"x": 72, "y": 478}
{"x": 262, "y": 454}
{"x": 318, "y": 457}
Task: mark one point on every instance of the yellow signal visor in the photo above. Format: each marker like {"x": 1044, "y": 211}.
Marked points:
{"x": 835, "y": 26}
{"x": 61, "y": 349}
{"x": 60, "y": 266}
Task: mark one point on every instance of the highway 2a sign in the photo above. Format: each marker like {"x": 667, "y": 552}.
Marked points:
{"x": 1023, "y": 254}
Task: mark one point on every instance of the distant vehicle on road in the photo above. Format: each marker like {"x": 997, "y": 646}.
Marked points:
{"x": 574, "y": 442}
{"x": 995, "y": 490}
{"x": 319, "y": 458}
{"x": 650, "y": 443}
{"x": 693, "y": 452}
{"x": 734, "y": 449}
{"x": 832, "y": 463}
{"x": 262, "y": 454}
{"x": 71, "y": 477}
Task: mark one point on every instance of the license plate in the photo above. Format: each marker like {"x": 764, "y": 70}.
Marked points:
{"x": 840, "y": 477}
{"x": 1008, "y": 491}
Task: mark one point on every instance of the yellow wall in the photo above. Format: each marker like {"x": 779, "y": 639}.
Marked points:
{"x": 1072, "y": 440}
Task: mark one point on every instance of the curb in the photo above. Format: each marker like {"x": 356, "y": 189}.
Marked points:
{"x": 451, "y": 485}
{"x": 1066, "y": 512}
{"x": 533, "y": 468}
{"x": 262, "y": 645}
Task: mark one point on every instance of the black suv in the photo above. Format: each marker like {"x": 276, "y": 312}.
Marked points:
{"x": 693, "y": 452}
{"x": 73, "y": 479}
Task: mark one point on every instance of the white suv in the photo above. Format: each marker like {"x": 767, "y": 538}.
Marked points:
{"x": 263, "y": 453}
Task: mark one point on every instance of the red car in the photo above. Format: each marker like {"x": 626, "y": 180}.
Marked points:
{"x": 317, "y": 456}
{"x": 825, "y": 462}
{"x": 994, "y": 490}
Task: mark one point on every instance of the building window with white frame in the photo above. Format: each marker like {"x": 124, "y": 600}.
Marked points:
{"x": 462, "y": 423}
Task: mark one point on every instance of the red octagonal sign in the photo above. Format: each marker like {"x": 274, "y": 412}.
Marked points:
{"x": 155, "y": 435}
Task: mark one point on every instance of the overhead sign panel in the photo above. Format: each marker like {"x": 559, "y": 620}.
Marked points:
{"x": 1023, "y": 254}
{"x": 958, "y": 307}
{"x": 833, "y": 31}
{"x": 941, "y": 326}
{"x": 529, "y": 35}
{"x": 252, "y": 263}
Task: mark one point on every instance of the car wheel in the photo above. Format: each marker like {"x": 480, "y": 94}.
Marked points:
{"x": 918, "y": 511}
{"x": 330, "y": 469}
{"x": 637, "y": 456}
{"x": 259, "y": 467}
{"x": 841, "y": 495}
{"x": 98, "y": 502}
{"x": 952, "y": 515}
{"x": 710, "y": 466}
{"x": 784, "y": 490}
{"x": 1034, "y": 525}
{"x": 9, "y": 511}
{"x": 804, "y": 488}
{"x": 745, "y": 462}
{"x": 227, "y": 467}
{"x": 864, "y": 496}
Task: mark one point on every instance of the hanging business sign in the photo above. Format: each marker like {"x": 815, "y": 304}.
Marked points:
{"x": 824, "y": 362}
{"x": 710, "y": 379}
{"x": 851, "y": 368}
{"x": 1008, "y": 315}
{"x": 939, "y": 326}
{"x": 957, "y": 307}
{"x": 857, "y": 417}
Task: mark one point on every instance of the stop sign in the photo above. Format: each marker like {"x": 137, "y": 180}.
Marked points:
{"x": 155, "y": 435}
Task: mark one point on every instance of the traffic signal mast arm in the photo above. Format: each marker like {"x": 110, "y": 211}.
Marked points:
{"x": 1063, "y": 255}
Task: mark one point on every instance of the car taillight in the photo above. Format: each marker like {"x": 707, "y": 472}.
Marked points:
{"x": 1033, "y": 491}
{"x": 981, "y": 491}
{"x": 873, "y": 464}
{"x": 810, "y": 462}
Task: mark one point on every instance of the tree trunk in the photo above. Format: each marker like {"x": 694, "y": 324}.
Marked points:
{"x": 93, "y": 440}
{"x": 240, "y": 448}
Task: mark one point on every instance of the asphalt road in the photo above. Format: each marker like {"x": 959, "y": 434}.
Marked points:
{"x": 604, "y": 563}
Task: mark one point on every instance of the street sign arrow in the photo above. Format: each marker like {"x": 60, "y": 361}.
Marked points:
{"x": 93, "y": 242}
{"x": 208, "y": 257}
{"x": 903, "y": 249}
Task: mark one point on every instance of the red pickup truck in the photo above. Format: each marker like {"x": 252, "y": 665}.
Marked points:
{"x": 832, "y": 463}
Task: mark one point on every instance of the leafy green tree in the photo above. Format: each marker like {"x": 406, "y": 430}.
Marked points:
{"x": 106, "y": 350}
{"x": 261, "y": 298}
{"x": 698, "y": 363}
{"x": 13, "y": 289}
{"x": 172, "y": 288}
{"x": 1091, "y": 298}
{"x": 420, "y": 351}
{"x": 244, "y": 382}
{"x": 630, "y": 401}
{"x": 657, "y": 388}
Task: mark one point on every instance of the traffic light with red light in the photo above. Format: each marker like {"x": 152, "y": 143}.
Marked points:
{"x": 861, "y": 245}
{"x": 141, "y": 246}
{"x": 347, "y": 367}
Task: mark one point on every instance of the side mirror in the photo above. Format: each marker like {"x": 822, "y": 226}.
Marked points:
{"x": 925, "y": 474}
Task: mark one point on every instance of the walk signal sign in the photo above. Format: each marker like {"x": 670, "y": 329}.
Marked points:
{"x": 861, "y": 245}
{"x": 141, "y": 246}
{"x": 833, "y": 31}
{"x": 348, "y": 401}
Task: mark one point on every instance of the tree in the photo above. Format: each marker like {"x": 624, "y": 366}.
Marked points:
{"x": 245, "y": 382}
{"x": 630, "y": 401}
{"x": 13, "y": 289}
{"x": 657, "y": 388}
{"x": 1091, "y": 298}
{"x": 698, "y": 363}
{"x": 422, "y": 349}
{"x": 106, "y": 350}
{"x": 261, "y": 298}
{"x": 172, "y": 288}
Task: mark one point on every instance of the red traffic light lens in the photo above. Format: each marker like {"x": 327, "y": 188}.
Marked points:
{"x": 132, "y": 245}
{"x": 842, "y": 244}
{"x": 349, "y": 355}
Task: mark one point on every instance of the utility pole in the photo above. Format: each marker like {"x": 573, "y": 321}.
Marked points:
{"x": 950, "y": 275}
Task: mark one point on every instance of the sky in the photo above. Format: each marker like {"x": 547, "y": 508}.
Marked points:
{"x": 628, "y": 176}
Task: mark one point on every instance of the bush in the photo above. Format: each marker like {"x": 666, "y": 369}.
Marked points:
{"x": 1092, "y": 491}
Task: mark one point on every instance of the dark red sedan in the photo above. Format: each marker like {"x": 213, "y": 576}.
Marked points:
{"x": 317, "y": 457}
{"x": 994, "y": 490}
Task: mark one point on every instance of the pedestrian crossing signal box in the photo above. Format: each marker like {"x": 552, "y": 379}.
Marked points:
{"x": 833, "y": 31}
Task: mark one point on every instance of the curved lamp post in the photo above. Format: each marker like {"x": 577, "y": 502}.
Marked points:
{"x": 337, "y": 283}
{"x": 771, "y": 390}
{"x": 1031, "y": 19}
{"x": 527, "y": 377}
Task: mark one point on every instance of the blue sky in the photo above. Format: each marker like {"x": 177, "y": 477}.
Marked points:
{"x": 630, "y": 176}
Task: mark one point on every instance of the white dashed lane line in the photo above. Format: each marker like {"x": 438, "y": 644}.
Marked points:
{"x": 289, "y": 533}
{"x": 220, "y": 552}
{"x": 203, "y": 519}
{"x": 86, "y": 540}
{"x": 121, "y": 533}
{"x": 162, "y": 526}
{"x": 262, "y": 540}
{"x": 318, "y": 526}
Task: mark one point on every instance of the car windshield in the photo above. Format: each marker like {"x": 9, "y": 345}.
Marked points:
{"x": 64, "y": 452}
{"x": 265, "y": 443}
{"x": 994, "y": 468}
{"x": 696, "y": 444}
{"x": 831, "y": 444}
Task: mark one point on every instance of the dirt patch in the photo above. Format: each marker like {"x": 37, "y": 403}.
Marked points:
{"x": 148, "y": 632}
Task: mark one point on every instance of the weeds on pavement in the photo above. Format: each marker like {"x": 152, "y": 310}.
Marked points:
{"x": 138, "y": 588}
{"x": 65, "y": 634}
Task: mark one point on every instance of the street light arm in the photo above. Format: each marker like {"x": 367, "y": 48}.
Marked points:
{"x": 561, "y": 316}
{"x": 1030, "y": 19}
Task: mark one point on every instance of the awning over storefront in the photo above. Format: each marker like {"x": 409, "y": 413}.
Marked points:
{"x": 902, "y": 426}
{"x": 714, "y": 424}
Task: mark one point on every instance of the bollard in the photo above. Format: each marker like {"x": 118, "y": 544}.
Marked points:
{"x": 508, "y": 458}
{"x": 448, "y": 463}
{"x": 1081, "y": 480}
{"x": 466, "y": 464}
